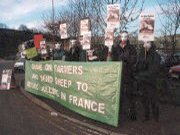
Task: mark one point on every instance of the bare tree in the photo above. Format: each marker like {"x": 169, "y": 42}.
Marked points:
{"x": 96, "y": 11}
{"x": 50, "y": 27}
{"x": 170, "y": 23}
{"x": 23, "y": 27}
{"x": 3, "y": 26}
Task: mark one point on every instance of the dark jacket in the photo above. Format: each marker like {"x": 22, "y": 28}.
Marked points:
{"x": 148, "y": 68}
{"x": 74, "y": 53}
{"x": 58, "y": 54}
{"x": 101, "y": 52}
{"x": 128, "y": 56}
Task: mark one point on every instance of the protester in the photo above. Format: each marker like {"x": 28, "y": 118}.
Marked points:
{"x": 83, "y": 55}
{"x": 148, "y": 66}
{"x": 67, "y": 51}
{"x": 91, "y": 55}
{"x": 58, "y": 52}
{"x": 99, "y": 52}
{"x": 73, "y": 52}
{"x": 123, "y": 51}
{"x": 102, "y": 52}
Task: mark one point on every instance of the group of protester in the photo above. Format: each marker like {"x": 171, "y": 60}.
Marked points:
{"x": 73, "y": 51}
{"x": 140, "y": 74}
{"x": 140, "y": 71}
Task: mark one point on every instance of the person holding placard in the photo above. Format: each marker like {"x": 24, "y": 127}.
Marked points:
{"x": 123, "y": 51}
{"x": 148, "y": 67}
{"x": 74, "y": 51}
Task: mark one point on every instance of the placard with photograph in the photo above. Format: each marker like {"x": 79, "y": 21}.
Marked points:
{"x": 109, "y": 37}
{"x": 43, "y": 47}
{"x": 146, "y": 27}
{"x": 63, "y": 31}
{"x": 6, "y": 79}
{"x": 113, "y": 15}
{"x": 84, "y": 26}
{"x": 86, "y": 41}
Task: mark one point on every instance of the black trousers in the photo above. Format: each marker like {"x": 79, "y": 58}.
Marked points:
{"x": 150, "y": 101}
{"x": 128, "y": 99}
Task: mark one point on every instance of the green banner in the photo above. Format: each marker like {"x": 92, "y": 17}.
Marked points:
{"x": 31, "y": 52}
{"x": 90, "y": 89}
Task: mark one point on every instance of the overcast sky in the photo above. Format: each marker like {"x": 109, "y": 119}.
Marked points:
{"x": 30, "y": 12}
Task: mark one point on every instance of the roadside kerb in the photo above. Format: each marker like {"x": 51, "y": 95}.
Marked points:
{"x": 52, "y": 110}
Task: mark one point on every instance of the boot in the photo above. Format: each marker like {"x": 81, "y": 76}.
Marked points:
{"x": 156, "y": 114}
{"x": 146, "y": 118}
{"x": 132, "y": 115}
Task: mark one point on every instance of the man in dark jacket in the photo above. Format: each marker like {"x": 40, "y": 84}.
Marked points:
{"x": 123, "y": 51}
{"x": 148, "y": 66}
{"x": 75, "y": 50}
{"x": 58, "y": 52}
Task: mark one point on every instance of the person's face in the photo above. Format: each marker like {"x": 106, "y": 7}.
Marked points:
{"x": 72, "y": 43}
{"x": 57, "y": 46}
{"x": 23, "y": 47}
{"x": 147, "y": 45}
{"x": 124, "y": 37}
{"x": 50, "y": 50}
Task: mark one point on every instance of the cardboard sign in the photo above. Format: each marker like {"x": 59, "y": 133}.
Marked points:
{"x": 84, "y": 26}
{"x": 86, "y": 41}
{"x": 113, "y": 15}
{"x": 63, "y": 31}
{"x": 6, "y": 79}
{"x": 31, "y": 52}
{"x": 37, "y": 39}
{"x": 146, "y": 27}
{"x": 109, "y": 37}
{"x": 43, "y": 47}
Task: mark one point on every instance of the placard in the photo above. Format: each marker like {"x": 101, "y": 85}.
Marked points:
{"x": 146, "y": 27}
{"x": 86, "y": 41}
{"x": 109, "y": 37}
{"x": 37, "y": 39}
{"x": 43, "y": 47}
{"x": 84, "y": 26}
{"x": 6, "y": 79}
{"x": 113, "y": 15}
{"x": 63, "y": 31}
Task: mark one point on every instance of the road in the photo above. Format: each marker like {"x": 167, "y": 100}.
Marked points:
{"x": 19, "y": 116}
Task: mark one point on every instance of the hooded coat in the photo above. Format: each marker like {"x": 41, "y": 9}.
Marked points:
{"x": 128, "y": 56}
{"x": 148, "y": 66}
